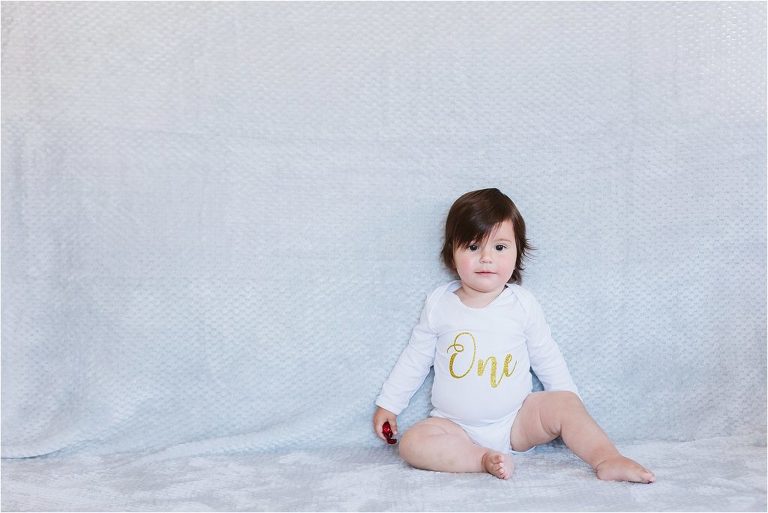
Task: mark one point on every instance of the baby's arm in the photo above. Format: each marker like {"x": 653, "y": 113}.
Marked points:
{"x": 546, "y": 359}
{"x": 407, "y": 376}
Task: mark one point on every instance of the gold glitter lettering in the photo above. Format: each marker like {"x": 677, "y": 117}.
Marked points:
{"x": 459, "y": 348}
{"x": 506, "y": 372}
{"x": 481, "y": 369}
{"x": 482, "y": 365}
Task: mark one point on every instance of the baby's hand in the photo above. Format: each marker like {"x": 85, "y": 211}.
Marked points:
{"x": 379, "y": 418}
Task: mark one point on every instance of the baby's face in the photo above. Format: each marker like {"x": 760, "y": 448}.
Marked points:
{"x": 486, "y": 266}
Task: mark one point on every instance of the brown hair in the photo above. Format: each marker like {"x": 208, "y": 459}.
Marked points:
{"x": 473, "y": 217}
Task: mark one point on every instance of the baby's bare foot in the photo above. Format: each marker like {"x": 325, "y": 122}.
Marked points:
{"x": 619, "y": 468}
{"x": 498, "y": 464}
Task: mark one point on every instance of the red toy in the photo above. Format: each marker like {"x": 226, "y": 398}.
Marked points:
{"x": 386, "y": 429}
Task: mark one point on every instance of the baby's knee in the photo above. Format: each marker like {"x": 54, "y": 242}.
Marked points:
{"x": 567, "y": 399}
{"x": 408, "y": 444}
{"x": 412, "y": 441}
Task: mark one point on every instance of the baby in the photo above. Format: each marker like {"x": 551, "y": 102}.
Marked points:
{"x": 483, "y": 334}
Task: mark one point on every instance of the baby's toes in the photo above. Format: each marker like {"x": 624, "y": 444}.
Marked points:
{"x": 493, "y": 463}
{"x": 505, "y": 467}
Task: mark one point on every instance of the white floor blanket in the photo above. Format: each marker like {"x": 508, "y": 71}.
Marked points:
{"x": 717, "y": 474}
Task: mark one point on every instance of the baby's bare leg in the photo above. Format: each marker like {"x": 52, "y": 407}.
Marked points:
{"x": 439, "y": 444}
{"x": 546, "y": 415}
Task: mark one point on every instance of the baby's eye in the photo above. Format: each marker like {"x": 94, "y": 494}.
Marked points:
{"x": 473, "y": 247}
{"x": 500, "y": 247}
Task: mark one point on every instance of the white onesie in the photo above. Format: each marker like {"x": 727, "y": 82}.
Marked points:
{"x": 482, "y": 359}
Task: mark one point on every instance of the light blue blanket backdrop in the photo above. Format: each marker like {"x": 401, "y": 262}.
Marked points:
{"x": 220, "y": 220}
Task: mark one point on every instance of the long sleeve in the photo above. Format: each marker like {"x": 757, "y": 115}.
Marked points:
{"x": 546, "y": 359}
{"x": 411, "y": 368}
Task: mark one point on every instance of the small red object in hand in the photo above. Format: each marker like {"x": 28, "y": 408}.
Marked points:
{"x": 386, "y": 429}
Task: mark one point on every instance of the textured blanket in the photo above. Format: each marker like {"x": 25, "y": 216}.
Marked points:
{"x": 717, "y": 474}
{"x": 220, "y": 220}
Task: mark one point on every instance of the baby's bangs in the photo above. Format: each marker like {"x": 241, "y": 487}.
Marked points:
{"x": 478, "y": 226}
